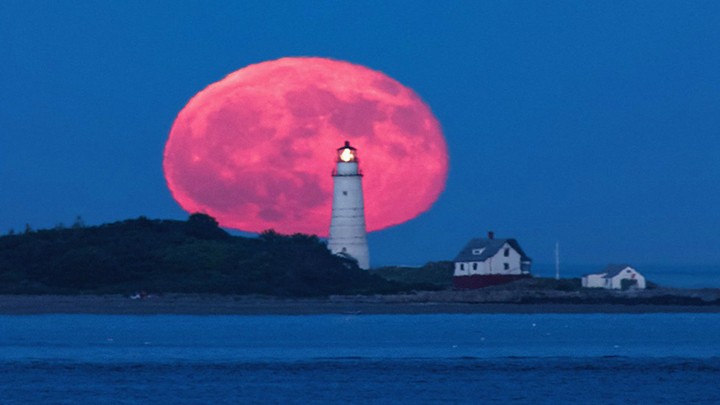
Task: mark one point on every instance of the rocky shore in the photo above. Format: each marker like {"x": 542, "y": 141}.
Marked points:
{"x": 516, "y": 298}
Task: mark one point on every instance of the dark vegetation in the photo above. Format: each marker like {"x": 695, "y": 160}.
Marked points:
{"x": 542, "y": 284}
{"x": 196, "y": 256}
{"x": 431, "y": 276}
{"x": 605, "y": 299}
{"x": 569, "y": 291}
{"x": 163, "y": 256}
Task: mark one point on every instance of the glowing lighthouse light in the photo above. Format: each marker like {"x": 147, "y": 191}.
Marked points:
{"x": 348, "y": 153}
{"x": 348, "y": 235}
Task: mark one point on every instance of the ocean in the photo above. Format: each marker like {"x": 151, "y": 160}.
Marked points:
{"x": 429, "y": 358}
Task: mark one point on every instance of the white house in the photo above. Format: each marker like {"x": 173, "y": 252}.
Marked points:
{"x": 616, "y": 277}
{"x": 488, "y": 261}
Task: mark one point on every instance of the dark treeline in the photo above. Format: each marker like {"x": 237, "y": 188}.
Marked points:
{"x": 163, "y": 256}
{"x": 431, "y": 276}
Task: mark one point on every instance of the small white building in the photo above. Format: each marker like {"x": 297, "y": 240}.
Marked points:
{"x": 488, "y": 261}
{"x": 615, "y": 277}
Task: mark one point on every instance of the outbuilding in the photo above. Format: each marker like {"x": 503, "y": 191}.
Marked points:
{"x": 489, "y": 261}
{"x": 615, "y": 277}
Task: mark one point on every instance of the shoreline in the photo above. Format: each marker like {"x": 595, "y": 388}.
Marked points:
{"x": 187, "y": 304}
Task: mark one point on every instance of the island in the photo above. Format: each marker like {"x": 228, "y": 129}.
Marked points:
{"x": 144, "y": 266}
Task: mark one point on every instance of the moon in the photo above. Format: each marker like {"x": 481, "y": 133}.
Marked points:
{"x": 256, "y": 149}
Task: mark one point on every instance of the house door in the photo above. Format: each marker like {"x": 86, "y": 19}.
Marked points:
{"x": 628, "y": 283}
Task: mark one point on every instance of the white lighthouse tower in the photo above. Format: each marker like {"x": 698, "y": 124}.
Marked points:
{"x": 347, "y": 226}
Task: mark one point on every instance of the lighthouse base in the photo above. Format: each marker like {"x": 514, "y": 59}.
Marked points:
{"x": 480, "y": 281}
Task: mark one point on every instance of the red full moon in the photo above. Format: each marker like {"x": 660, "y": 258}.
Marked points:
{"x": 256, "y": 149}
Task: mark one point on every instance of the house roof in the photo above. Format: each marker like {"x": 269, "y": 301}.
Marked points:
{"x": 611, "y": 270}
{"x": 490, "y": 248}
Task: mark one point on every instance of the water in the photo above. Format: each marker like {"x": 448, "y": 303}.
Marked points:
{"x": 464, "y": 358}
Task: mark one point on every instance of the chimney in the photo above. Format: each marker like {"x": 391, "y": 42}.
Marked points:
{"x": 491, "y": 235}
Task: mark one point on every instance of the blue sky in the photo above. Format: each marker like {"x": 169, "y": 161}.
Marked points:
{"x": 595, "y": 124}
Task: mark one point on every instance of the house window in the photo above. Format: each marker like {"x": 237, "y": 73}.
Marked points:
{"x": 506, "y": 266}
{"x": 474, "y": 266}
{"x": 462, "y": 266}
{"x": 507, "y": 252}
{"x": 478, "y": 251}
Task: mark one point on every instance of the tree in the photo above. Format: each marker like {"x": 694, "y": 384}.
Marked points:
{"x": 203, "y": 226}
{"x": 85, "y": 268}
{"x": 270, "y": 236}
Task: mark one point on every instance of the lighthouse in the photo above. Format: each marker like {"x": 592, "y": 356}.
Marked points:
{"x": 347, "y": 226}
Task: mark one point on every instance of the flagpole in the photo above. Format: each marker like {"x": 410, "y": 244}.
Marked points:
{"x": 557, "y": 260}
